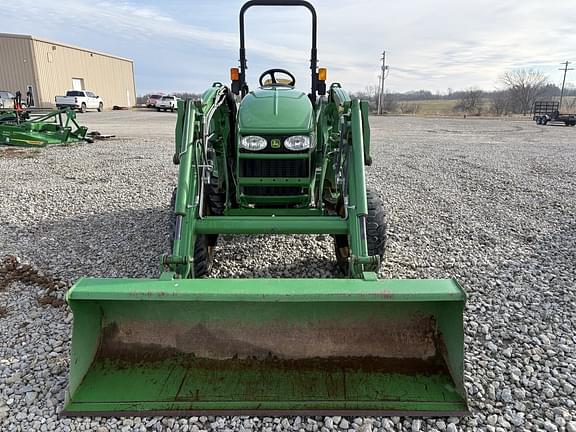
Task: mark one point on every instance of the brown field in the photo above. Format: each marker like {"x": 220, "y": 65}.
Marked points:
{"x": 445, "y": 107}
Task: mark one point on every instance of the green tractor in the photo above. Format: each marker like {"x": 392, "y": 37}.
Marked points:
{"x": 274, "y": 160}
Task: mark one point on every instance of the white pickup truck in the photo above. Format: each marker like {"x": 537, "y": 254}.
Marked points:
{"x": 81, "y": 100}
{"x": 167, "y": 103}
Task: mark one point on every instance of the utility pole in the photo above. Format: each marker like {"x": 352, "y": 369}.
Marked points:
{"x": 565, "y": 69}
{"x": 383, "y": 70}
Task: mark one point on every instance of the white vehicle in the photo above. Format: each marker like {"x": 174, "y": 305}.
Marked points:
{"x": 81, "y": 100}
{"x": 167, "y": 103}
{"x": 153, "y": 100}
{"x": 6, "y": 99}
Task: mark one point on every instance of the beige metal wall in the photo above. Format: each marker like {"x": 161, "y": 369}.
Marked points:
{"x": 50, "y": 66}
{"x": 16, "y": 64}
{"x": 111, "y": 78}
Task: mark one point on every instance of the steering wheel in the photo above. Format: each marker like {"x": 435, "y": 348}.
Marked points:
{"x": 272, "y": 73}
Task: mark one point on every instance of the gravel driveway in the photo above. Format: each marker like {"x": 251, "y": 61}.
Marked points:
{"x": 489, "y": 202}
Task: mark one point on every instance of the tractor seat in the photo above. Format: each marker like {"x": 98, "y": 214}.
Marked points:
{"x": 281, "y": 82}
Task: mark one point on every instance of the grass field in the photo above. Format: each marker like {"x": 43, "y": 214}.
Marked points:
{"x": 438, "y": 107}
{"x": 445, "y": 107}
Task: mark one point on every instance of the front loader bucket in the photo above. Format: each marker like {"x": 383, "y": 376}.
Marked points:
{"x": 266, "y": 346}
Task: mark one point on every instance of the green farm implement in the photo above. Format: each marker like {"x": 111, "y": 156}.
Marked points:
{"x": 40, "y": 128}
{"x": 273, "y": 160}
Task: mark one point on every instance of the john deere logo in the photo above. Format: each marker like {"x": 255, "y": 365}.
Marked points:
{"x": 275, "y": 143}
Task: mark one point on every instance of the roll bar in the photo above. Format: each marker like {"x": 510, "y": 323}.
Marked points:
{"x": 313, "y": 52}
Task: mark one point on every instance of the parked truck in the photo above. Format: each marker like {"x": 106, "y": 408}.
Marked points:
{"x": 167, "y": 103}
{"x": 81, "y": 100}
{"x": 6, "y": 99}
{"x": 549, "y": 111}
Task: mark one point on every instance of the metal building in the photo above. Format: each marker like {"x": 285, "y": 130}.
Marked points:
{"x": 48, "y": 69}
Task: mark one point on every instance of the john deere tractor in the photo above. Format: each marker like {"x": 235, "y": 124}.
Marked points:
{"x": 269, "y": 160}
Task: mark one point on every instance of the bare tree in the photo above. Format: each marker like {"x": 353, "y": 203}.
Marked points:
{"x": 389, "y": 103}
{"x": 525, "y": 86}
{"x": 409, "y": 108}
{"x": 570, "y": 104}
{"x": 471, "y": 102}
{"x": 370, "y": 93}
{"x": 187, "y": 95}
{"x": 569, "y": 98}
{"x": 501, "y": 104}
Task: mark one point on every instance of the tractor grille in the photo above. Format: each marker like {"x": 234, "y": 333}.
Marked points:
{"x": 273, "y": 190}
{"x": 274, "y": 168}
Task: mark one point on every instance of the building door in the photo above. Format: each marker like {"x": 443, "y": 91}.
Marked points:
{"x": 78, "y": 84}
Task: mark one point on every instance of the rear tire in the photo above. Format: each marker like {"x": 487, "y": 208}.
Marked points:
{"x": 375, "y": 233}
{"x": 83, "y": 108}
{"x": 100, "y": 107}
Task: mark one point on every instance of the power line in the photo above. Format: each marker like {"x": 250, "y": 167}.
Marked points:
{"x": 565, "y": 69}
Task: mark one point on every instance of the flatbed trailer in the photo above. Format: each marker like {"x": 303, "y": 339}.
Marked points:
{"x": 549, "y": 111}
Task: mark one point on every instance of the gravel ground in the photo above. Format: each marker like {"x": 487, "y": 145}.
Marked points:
{"x": 491, "y": 203}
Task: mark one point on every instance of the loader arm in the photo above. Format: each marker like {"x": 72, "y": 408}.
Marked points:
{"x": 186, "y": 204}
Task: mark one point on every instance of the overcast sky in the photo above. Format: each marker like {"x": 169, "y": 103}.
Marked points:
{"x": 432, "y": 45}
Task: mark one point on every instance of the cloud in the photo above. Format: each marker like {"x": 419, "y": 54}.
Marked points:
{"x": 432, "y": 45}
{"x": 135, "y": 22}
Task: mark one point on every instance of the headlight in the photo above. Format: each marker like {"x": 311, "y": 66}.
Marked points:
{"x": 253, "y": 143}
{"x": 297, "y": 142}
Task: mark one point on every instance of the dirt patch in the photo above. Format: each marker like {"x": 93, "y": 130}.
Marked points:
{"x": 11, "y": 270}
{"x": 50, "y": 300}
{"x": 412, "y": 337}
{"x": 3, "y": 311}
{"x": 18, "y": 153}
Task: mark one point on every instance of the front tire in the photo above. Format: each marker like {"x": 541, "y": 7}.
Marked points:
{"x": 83, "y": 108}
{"x": 375, "y": 233}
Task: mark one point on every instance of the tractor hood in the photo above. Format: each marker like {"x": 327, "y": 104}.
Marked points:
{"x": 279, "y": 110}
